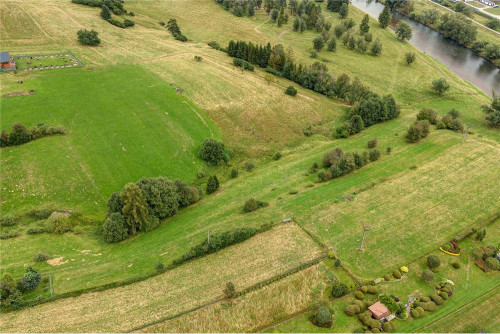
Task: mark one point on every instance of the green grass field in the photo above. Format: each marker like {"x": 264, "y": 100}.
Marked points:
{"x": 126, "y": 121}
{"x": 495, "y": 11}
{"x": 139, "y": 127}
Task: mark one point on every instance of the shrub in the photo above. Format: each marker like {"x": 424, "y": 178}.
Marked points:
{"x": 433, "y": 261}
{"x": 36, "y": 229}
{"x": 417, "y": 131}
{"x": 389, "y": 326}
{"x": 229, "y": 290}
{"x": 389, "y": 302}
{"x": 397, "y": 274}
{"x": 212, "y": 151}
{"x": 243, "y": 64}
{"x": 277, "y": 156}
{"x": 427, "y": 114}
{"x": 372, "y": 290}
{"x": 414, "y": 313}
{"x": 234, "y": 173}
{"x": 159, "y": 267}
{"x": 427, "y": 275}
{"x": 128, "y": 23}
{"x": 40, "y": 214}
{"x": 338, "y": 263}
{"x": 249, "y": 166}
{"x": 212, "y": 184}
{"x": 359, "y": 295}
{"x": 115, "y": 203}
{"x": 455, "y": 265}
{"x": 364, "y": 289}
{"x": 420, "y": 310}
{"x": 388, "y": 150}
{"x": 214, "y": 45}
{"x": 440, "y": 86}
{"x": 425, "y": 299}
{"x": 8, "y": 234}
{"x": 372, "y": 143}
{"x": 8, "y": 221}
{"x": 443, "y": 295}
{"x": 387, "y": 277}
{"x": 291, "y": 91}
{"x": 323, "y": 317}
{"x": 87, "y": 37}
{"x": 410, "y": 57}
{"x": 41, "y": 257}
{"x": 492, "y": 263}
{"x": 374, "y": 154}
{"x": 429, "y": 306}
{"x": 58, "y": 223}
{"x": 339, "y": 289}
{"x": 31, "y": 279}
{"x": 114, "y": 228}
{"x": 252, "y": 205}
{"x": 350, "y": 310}
{"x": 436, "y": 299}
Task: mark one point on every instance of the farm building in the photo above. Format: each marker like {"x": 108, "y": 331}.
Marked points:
{"x": 6, "y": 63}
{"x": 488, "y": 3}
{"x": 379, "y": 310}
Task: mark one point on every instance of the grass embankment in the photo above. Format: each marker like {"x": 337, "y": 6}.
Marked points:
{"x": 190, "y": 285}
{"x": 123, "y": 123}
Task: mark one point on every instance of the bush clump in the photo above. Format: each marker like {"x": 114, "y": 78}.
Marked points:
{"x": 427, "y": 275}
{"x": 252, "y": 205}
{"x": 243, "y": 64}
{"x": 88, "y": 37}
{"x": 339, "y": 289}
{"x": 433, "y": 261}
{"x": 8, "y": 220}
{"x": 455, "y": 265}
{"x": 417, "y": 131}
{"x": 359, "y": 295}
{"x": 59, "y": 223}
{"x": 234, "y": 173}
{"x": 427, "y": 114}
{"x": 41, "y": 257}
{"x": 115, "y": 228}
{"x": 323, "y": 317}
{"x": 372, "y": 143}
{"x": 290, "y": 90}
{"x": 30, "y": 280}
{"x": 213, "y": 151}
{"x": 212, "y": 184}
{"x": 229, "y": 290}
{"x": 397, "y": 274}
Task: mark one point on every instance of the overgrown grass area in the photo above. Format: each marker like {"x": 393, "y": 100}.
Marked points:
{"x": 255, "y": 309}
{"x": 123, "y": 123}
{"x": 191, "y": 285}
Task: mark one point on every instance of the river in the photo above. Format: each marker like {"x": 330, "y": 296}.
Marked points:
{"x": 462, "y": 61}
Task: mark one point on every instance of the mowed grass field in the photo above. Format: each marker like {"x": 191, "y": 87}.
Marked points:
{"x": 254, "y": 310}
{"x": 190, "y": 285}
{"x": 123, "y": 123}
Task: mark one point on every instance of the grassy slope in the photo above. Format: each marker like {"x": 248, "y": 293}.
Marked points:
{"x": 190, "y": 285}
{"x": 138, "y": 119}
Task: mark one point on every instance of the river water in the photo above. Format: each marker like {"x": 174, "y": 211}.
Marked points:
{"x": 462, "y": 61}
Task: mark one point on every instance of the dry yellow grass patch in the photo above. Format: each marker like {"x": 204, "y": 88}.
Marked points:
{"x": 254, "y": 310}
{"x": 190, "y": 285}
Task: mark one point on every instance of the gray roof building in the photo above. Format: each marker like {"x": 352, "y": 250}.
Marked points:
{"x": 4, "y": 57}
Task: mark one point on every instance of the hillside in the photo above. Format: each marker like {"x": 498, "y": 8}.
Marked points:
{"x": 141, "y": 105}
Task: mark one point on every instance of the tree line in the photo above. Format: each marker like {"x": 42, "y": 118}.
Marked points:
{"x": 20, "y": 134}
{"x": 369, "y": 107}
{"x": 109, "y": 7}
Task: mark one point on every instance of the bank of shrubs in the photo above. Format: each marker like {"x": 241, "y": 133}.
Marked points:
{"x": 20, "y": 134}
{"x": 140, "y": 206}
{"x": 174, "y": 29}
{"x": 443, "y": 291}
{"x": 214, "y": 152}
{"x": 370, "y": 325}
{"x": 336, "y": 163}
{"x": 485, "y": 257}
{"x": 243, "y": 64}
{"x": 219, "y": 241}
{"x": 109, "y": 7}
{"x": 420, "y": 129}
{"x": 11, "y": 290}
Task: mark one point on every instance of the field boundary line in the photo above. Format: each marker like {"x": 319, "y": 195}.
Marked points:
{"x": 458, "y": 309}
{"x": 251, "y": 288}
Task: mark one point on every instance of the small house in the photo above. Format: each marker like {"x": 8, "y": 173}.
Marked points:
{"x": 379, "y": 310}
{"x": 6, "y": 63}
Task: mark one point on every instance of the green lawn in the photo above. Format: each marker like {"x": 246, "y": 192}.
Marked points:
{"x": 476, "y": 4}
{"x": 495, "y": 11}
{"x": 123, "y": 123}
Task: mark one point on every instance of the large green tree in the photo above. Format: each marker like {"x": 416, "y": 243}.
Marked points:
{"x": 161, "y": 196}
{"x": 403, "y": 30}
{"x": 135, "y": 209}
{"x": 364, "y": 27}
{"x": 493, "y": 111}
{"x": 385, "y": 17}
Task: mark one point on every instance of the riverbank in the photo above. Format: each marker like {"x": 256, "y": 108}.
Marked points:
{"x": 461, "y": 60}
{"x": 484, "y": 34}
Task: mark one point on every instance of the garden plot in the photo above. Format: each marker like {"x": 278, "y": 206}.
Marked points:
{"x": 46, "y": 62}
{"x": 188, "y": 286}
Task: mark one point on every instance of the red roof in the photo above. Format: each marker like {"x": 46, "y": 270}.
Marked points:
{"x": 379, "y": 310}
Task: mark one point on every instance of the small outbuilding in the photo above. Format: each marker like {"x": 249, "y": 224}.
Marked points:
{"x": 6, "y": 63}
{"x": 379, "y": 310}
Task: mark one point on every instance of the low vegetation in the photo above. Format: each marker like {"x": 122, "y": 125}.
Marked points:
{"x": 20, "y": 135}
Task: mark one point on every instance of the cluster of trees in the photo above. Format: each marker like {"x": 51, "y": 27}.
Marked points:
{"x": 323, "y": 317}
{"x": 22, "y": 135}
{"x": 240, "y": 7}
{"x": 252, "y": 205}
{"x": 88, "y": 37}
{"x": 140, "y": 206}
{"x": 369, "y": 109}
{"x": 11, "y": 290}
{"x": 117, "y": 10}
{"x": 426, "y": 116}
{"x": 175, "y": 30}
{"x": 458, "y": 28}
{"x": 336, "y": 163}
{"x": 308, "y": 16}
{"x": 493, "y": 111}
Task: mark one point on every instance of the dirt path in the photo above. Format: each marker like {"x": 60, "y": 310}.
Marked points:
{"x": 257, "y": 27}
{"x": 282, "y": 33}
